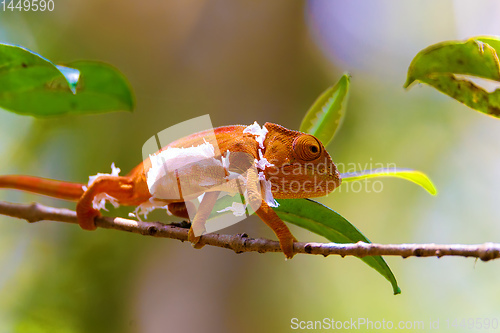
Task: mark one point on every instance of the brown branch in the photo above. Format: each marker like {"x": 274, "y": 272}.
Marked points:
{"x": 242, "y": 243}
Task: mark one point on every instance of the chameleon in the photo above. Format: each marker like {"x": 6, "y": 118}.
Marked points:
{"x": 267, "y": 162}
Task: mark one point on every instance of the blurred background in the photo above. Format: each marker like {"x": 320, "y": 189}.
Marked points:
{"x": 242, "y": 61}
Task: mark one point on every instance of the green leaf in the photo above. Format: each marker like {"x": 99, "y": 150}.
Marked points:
{"x": 471, "y": 57}
{"x": 315, "y": 217}
{"x": 442, "y": 66}
{"x": 414, "y": 176}
{"x": 327, "y": 113}
{"x": 33, "y": 85}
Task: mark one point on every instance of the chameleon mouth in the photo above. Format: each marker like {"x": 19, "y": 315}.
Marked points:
{"x": 335, "y": 179}
{"x": 337, "y": 176}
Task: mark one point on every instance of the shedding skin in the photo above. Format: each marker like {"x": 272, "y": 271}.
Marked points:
{"x": 301, "y": 168}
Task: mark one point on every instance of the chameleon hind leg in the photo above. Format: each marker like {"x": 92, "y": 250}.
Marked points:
{"x": 180, "y": 209}
{"x": 120, "y": 188}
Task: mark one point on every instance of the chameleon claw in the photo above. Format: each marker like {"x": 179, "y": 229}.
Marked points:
{"x": 286, "y": 245}
{"x": 195, "y": 240}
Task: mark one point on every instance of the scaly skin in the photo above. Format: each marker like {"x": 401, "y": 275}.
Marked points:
{"x": 301, "y": 169}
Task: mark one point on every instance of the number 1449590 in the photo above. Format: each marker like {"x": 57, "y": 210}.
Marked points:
{"x": 27, "y": 5}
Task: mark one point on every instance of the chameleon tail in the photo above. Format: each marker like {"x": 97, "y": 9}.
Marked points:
{"x": 52, "y": 188}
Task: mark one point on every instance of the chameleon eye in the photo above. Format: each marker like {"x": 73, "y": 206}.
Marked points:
{"x": 307, "y": 147}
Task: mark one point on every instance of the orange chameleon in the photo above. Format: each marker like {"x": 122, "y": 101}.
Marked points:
{"x": 280, "y": 163}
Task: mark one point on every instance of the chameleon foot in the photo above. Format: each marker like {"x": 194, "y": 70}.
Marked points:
{"x": 195, "y": 240}
{"x": 86, "y": 217}
{"x": 286, "y": 244}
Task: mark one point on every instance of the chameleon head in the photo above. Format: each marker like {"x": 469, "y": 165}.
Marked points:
{"x": 302, "y": 168}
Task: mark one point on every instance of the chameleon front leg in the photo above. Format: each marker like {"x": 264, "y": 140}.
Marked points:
{"x": 120, "y": 188}
{"x": 199, "y": 220}
{"x": 279, "y": 227}
{"x": 268, "y": 215}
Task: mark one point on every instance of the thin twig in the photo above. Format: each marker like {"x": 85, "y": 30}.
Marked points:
{"x": 242, "y": 243}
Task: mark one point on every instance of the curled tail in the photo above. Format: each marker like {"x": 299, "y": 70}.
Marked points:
{"x": 52, "y": 188}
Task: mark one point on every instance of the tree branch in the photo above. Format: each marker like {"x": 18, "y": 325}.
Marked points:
{"x": 242, "y": 243}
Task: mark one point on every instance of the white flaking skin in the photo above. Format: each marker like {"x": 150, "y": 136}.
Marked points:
{"x": 259, "y": 133}
{"x": 262, "y": 162}
{"x": 237, "y": 208}
{"x": 267, "y": 194}
{"x": 198, "y": 171}
{"x": 101, "y": 199}
{"x": 147, "y": 207}
{"x": 190, "y": 164}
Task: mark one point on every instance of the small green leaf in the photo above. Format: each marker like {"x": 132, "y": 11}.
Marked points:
{"x": 33, "y": 85}
{"x": 442, "y": 64}
{"x": 325, "y": 116}
{"x": 471, "y": 57}
{"x": 414, "y": 176}
{"x": 315, "y": 217}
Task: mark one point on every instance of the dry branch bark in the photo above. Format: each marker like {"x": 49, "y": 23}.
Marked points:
{"x": 242, "y": 243}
